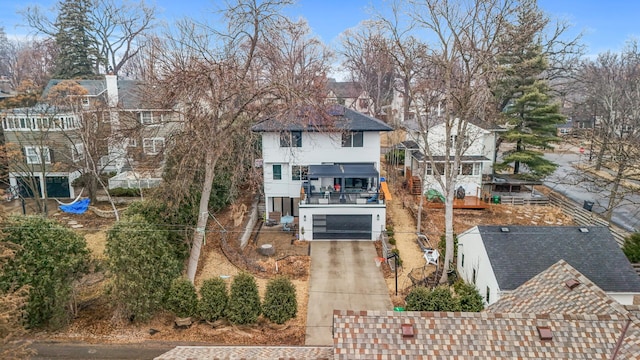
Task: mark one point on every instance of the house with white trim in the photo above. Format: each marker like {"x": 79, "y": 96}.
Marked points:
{"x": 427, "y": 159}
{"x": 498, "y": 259}
{"x": 50, "y": 137}
{"x": 324, "y": 169}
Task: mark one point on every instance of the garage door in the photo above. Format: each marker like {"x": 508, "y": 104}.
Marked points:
{"x": 348, "y": 227}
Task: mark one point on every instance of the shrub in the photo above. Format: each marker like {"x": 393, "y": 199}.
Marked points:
{"x": 398, "y": 259}
{"x": 438, "y": 299}
{"x": 390, "y": 230}
{"x": 392, "y": 241}
{"x": 142, "y": 263}
{"x": 631, "y": 247}
{"x": 182, "y": 299}
{"x": 442, "y": 246}
{"x": 244, "y": 300}
{"x": 395, "y": 156}
{"x": 48, "y": 259}
{"x": 280, "y": 302}
{"x": 125, "y": 192}
{"x": 213, "y": 299}
{"x": 469, "y": 298}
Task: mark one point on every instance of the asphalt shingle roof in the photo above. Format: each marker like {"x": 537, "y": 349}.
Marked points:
{"x": 525, "y": 251}
{"x": 129, "y": 91}
{"x": 448, "y": 335}
{"x": 337, "y": 118}
{"x": 548, "y": 293}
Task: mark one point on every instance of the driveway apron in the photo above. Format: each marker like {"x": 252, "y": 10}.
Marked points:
{"x": 344, "y": 276}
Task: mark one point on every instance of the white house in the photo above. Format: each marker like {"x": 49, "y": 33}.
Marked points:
{"x": 324, "y": 169}
{"x": 351, "y": 95}
{"x": 498, "y": 259}
{"x": 477, "y": 159}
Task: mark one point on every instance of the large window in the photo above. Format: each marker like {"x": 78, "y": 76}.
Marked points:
{"x": 299, "y": 172}
{"x": 291, "y": 139}
{"x": 352, "y": 139}
{"x": 35, "y": 154}
{"x": 470, "y": 169}
{"x": 153, "y": 146}
{"x": 149, "y": 118}
{"x": 277, "y": 172}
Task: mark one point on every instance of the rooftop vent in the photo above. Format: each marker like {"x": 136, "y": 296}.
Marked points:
{"x": 504, "y": 229}
{"x": 572, "y": 283}
{"x": 407, "y": 331}
{"x": 545, "y": 333}
{"x": 584, "y": 230}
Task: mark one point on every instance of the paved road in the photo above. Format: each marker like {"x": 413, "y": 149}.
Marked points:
{"x": 344, "y": 276}
{"x": 56, "y": 350}
{"x": 580, "y": 187}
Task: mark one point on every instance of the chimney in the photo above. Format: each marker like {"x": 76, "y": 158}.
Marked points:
{"x": 112, "y": 89}
{"x": 545, "y": 333}
{"x": 572, "y": 283}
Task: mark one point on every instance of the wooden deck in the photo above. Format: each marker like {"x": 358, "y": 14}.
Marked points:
{"x": 469, "y": 202}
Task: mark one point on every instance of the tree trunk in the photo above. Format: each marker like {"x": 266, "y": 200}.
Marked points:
{"x": 448, "y": 233}
{"x": 203, "y": 216}
{"x": 603, "y": 148}
{"x": 613, "y": 194}
{"x": 516, "y": 164}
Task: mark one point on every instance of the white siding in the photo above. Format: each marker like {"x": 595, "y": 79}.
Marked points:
{"x": 471, "y": 248}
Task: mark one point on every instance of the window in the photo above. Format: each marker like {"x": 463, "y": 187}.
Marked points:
{"x": 477, "y": 168}
{"x": 429, "y": 169}
{"x": 277, "y": 172}
{"x": 149, "y": 118}
{"x": 466, "y": 169}
{"x": 465, "y": 142}
{"x": 352, "y": 139}
{"x": 131, "y": 142}
{"x": 77, "y": 152}
{"x": 488, "y": 292}
{"x": 462, "y": 261}
{"x": 299, "y": 172}
{"x": 85, "y": 102}
{"x": 474, "y": 276}
{"x": 33, "y": 153}
{"x": 291, "y": 139}
{"x": 364, "y": 103}
{"x": 153, "y": 146}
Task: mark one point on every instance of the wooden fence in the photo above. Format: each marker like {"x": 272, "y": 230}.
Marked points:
{"x": 519, "y": 200}
{"x": 585, "y": 217}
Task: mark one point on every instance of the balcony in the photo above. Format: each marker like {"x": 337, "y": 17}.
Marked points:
{"x": 346, "y": 197}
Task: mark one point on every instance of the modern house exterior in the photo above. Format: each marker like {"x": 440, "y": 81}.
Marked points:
{"x": 324, "y": 169}
{"x": 498, "y": 259}
{"x": 426, "y": 159}
{"x": 52, "y": 137}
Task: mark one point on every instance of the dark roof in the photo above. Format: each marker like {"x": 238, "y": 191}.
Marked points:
{"x": 343, "y": 170}
{"x": 129, "y": 91}
{"x": 345, "y": 89}
{"x": 336, "y": 118}
{"x": 409, "y": 145}
{"x": 525, "y": 251}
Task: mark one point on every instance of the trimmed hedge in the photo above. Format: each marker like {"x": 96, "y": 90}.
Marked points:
{"x": 280, "y": 302}
{"x": 244, "y": 300}
{"x": 213, "y": 299}
{"x": 182, "y": 298}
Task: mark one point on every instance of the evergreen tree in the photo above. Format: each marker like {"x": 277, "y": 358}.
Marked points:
{"x": 522, "y": 94}
{"x": 75, "y": 59}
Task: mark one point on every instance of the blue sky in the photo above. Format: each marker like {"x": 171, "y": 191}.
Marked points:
{"x": 606, "y": 24}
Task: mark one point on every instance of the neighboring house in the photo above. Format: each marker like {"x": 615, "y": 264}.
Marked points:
{"x": 558, "y": 314}
{"x": 351, "y": 95}
{"x": 565, "y": 129}
{"x": 52, "y": 138}
{"x": 498, "y": 259}
{"x": 324, "y": 169}
{"x": 477, "y": 160}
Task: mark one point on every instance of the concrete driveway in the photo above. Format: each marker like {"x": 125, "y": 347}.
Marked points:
{"x": 343, "y": 276}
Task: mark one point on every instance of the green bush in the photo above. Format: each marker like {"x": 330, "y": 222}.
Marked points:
{"x": 390, "y": 231}
{"x": 631, "y": 247}
{"x": 468, "y": 296}
{"x": 392, "y": 241}
{"x": 280, "y": 302}
{"x": 125, "y": 192}
{"x": 442, "y": 246}
{"x": 244, "y": 300}
{"x": 395, "y": 156}
{"x": 213, "y": 299}
{"x": 142, "y": 264}
{"x": 182, "y": 299}
{"x": 48, "y": 259}
{"x": 438, "y": 299}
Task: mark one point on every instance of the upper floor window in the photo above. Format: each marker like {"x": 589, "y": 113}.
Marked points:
{"x": 364, "y": 103}
{"x": 77, "y": 152}
{"x": 149, "y": 118}
{"x": 35, "y": 155}
{"x": 22, "y": 123}
{"x": 277, "y": 172}
{"x": 352, "y": 139}
{"x": 153, "y": 146}
{"x": 132, "y": 142}
{"x": 470, "y": 168}
{"x": 455, "y": 138}
{"x": 299, "y": 172}
{"x": 291, "y": 139}
{"x": 85, "y": 102}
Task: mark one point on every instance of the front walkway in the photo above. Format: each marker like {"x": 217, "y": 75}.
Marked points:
{"x": 344, "y": 276}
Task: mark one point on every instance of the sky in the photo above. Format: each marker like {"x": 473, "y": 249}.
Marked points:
{"x": 606, "y": 25}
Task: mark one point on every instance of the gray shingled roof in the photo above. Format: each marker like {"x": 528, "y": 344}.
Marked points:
{"x": 525, "y": 251}
{"x": 338, "y": 118}
{"x": 129, "y": 94}
{"x": 345, "y": 89}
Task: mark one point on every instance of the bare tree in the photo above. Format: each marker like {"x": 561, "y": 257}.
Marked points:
{"x": 211, "y": 75}
{"x": 369, "y": 62}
